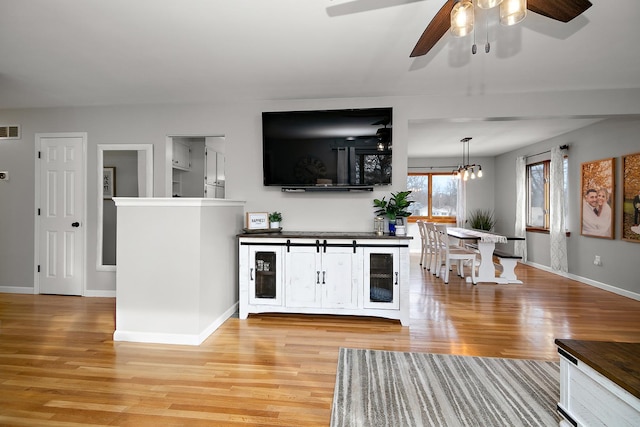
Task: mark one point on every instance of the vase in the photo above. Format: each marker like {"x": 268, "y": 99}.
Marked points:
{"x": 274, "y": 224}
{"x": 392, "y": 228}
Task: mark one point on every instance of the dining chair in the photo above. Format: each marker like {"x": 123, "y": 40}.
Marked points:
{"x": 423, "y": 241}
{"x": 455, "y": 253}
{"x": 434, "y": 250}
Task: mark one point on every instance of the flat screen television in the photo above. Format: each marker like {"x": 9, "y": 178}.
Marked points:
{"x": 327, "y": 149}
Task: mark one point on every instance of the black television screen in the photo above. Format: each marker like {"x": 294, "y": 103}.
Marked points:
{"x": 327, "y": 149}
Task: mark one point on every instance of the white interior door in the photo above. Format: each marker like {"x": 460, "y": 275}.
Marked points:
{"x": 61, "y": 216}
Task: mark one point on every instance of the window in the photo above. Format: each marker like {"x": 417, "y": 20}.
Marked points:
{"x": 538, "y": 197}
{"x": 435, "y": 196}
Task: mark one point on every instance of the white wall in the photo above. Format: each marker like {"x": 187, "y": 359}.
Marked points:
{"x": 241, "y": 125}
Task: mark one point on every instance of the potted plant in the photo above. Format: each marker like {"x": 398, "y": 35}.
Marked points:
{"x": 274, "y": 219}
{"x": 481, "y": 219}
{"x": 395, "y": 209}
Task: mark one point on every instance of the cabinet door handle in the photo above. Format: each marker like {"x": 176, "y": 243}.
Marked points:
{"x": 251, "y": 274}
{"x": 323, "y": 274}
{"x": 396, "y": 279}
{"x": 317, "y": 277}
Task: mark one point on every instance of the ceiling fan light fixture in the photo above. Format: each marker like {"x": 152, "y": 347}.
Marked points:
{"x": 488, "y": 4}
{"x": 512, "y": 11}
{"x": 462, "y": 18}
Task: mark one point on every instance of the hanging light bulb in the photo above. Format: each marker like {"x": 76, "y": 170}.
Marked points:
{"x": 462, "y": 18}
{"x": 488, "y": 4}
{"x": 512, "y": 11}
{"x": 473, "y": 174}
{"x": 479, "y": 171}
{"x": 466, "y": 174}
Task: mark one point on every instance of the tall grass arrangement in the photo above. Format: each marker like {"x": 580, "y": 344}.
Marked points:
{"x": 481, "y": 219}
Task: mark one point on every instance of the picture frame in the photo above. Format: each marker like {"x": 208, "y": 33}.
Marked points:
{"x": 257, "y": 220}
{"x": 598, "y": 198}
{"x": 631, "y": 198}
{"x": 108, "y": 182}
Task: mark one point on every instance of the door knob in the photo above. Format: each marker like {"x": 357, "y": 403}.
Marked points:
{"x": 75, "y": 224}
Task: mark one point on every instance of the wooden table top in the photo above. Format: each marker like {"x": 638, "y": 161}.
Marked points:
{"x": 617, "y": 361}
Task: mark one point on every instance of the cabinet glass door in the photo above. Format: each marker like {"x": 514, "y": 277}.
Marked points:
{"x": 265, "y": 276}
{"x": 265, "y": 269}
{"x": 381, "y": 279}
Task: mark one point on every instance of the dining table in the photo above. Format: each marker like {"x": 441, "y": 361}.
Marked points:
{"x": 486, "y": 242}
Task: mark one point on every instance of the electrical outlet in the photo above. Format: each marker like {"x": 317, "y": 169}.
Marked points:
{"x": 4, "y": 176}
{"x": 597, "y": 261}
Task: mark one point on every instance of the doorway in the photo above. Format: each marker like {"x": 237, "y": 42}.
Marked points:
{"x": 196, "y": 166}
{"x": 128, "y": 171}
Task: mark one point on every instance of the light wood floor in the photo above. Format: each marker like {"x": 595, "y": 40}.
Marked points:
{"x": 60, "y": 367}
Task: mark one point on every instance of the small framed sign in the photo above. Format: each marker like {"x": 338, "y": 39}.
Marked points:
{"x": 257, "y": 220}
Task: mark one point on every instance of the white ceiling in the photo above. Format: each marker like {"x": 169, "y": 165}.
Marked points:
{"x": 441, "y": 138}
{"x": 97, "y": 52}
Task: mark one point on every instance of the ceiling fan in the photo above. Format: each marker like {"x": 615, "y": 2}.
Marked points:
{"x": 560, "y": 10}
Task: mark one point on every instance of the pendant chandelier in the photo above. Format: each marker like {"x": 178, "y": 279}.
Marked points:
{"x": 463, "y": 15}
{"x": 467, "y": 170}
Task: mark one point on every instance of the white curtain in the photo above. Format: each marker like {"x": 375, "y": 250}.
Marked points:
{"x": 461, "y": 208}
{"x": 557, "y": 228}
{"x": 520, "y": 246}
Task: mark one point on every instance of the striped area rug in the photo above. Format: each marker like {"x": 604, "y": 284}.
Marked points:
{"x": 382, "y": 388}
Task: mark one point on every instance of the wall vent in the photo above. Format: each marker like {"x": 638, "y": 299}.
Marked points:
{"x": 9, "y": 132}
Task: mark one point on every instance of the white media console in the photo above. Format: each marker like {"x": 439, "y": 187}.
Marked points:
{"x": 324, "y": 273}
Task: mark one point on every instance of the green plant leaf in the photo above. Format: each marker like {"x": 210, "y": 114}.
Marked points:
{"x": 481, "y": 219}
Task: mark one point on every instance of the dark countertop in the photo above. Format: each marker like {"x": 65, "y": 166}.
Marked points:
{"x": 617, "y": 361}
{"x": 320, "y": 234}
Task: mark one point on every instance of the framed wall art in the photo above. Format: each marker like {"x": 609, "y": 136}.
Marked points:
{"x": 108, "y": 182}
{"x": 631, "y": 198}
{"x": 598, "y": 190}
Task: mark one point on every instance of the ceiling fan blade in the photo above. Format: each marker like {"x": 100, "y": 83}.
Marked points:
{"x": 437, "y": 28}
{"x": 560, "y": 10}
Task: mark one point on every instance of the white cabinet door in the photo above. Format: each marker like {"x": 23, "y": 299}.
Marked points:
{"x": 220, "y": 166}
{"x": 214, "y": 167}
{"x": 303, "y": 277}
{"x": 339, "y": 278}
{"x": 381, "y": 278}
{"x": 322, "y": 277}
{"x": 265, "y": 275}
{"x": 181, "y": 155}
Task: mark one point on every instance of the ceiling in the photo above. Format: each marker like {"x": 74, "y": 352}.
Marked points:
{"x": 441, "y": 138}
{"x": 96, "y": 52}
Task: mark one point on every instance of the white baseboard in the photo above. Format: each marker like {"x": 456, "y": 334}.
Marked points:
{"x": 100, "y": 294}
{"x": 17, "y": 290}
{"x": 178, "y": 339}
{"x": 218, "y": 322}
{"x": 586, "y": 281}
{"x": 30, "y": 290}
